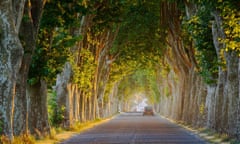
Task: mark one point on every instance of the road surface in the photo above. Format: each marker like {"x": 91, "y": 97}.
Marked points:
{"x": 133, "y": 128}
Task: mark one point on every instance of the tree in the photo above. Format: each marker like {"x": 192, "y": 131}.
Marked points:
{"x": 28, "y": 35}
{"x": 11, "y": 56}
{"x": 53, "y": 44}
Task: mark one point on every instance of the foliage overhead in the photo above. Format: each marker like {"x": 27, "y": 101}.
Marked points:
{"x": 55, "y": 38}
{"x": 141, "y": 81}
{"x": 231, "y": 17}
{"x": 140, "y": 43}
{"x": 138, "y": 38}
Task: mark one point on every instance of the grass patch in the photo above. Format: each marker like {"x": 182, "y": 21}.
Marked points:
{"x": 22, "y": 139}
{"x": 208, "y": 135}
{"x": 214, "y": 137}
{"x": 59, "y": 134}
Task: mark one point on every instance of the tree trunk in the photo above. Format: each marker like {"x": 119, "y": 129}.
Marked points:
{"x": 238, "y": 112}
{"x": 62, "y": 91}
{"x": 69, "y": 105}
{"x": 211, "y": 90}
{"x": 28, "y": 33}
{"x": 83, "y": 107}
{"x": 11, "y": 53}
{"x": 89, "y": 108}
{"x": 38, "y": 113}
{"x": 232, "y": 91}
{"x": 220, "y": 96}
{"x": 76, "y": 104}
{"x": 193, "y": 85}
{"x": 18, "y": 9}
{"x": 65, "y": 78}
{"x": 201, "y": 100}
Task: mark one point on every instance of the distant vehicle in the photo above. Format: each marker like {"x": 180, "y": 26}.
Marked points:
{"x": 148, "y": 110}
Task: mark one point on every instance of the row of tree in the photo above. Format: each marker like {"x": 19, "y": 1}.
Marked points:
{"x": 92, "y": 55}
{"x": 195, "y": 78}
{"x": 64, "y": 51}
{"x": 201, "y": 83}
{"x": 40, "y": 39}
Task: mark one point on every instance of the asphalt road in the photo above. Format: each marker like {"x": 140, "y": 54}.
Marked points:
{"x": 133, "y": 128}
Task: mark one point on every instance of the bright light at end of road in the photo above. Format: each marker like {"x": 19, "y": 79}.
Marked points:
{"x": 140, "y": 102}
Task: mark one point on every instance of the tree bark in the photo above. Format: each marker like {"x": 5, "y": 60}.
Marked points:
{"x": 28, "y": 33}
{"x": 210, "y": 105}
{"x": 11, "y": 52}
{"x": 220, "y": 95}
{"x": 65, "y": 78}
{"x": 238, "y": 111}
{"x": 82, "y": 107}
{"x": 62, "y": 91}
{"x": 38, "y": 113}
{"x": 232, "y": 91}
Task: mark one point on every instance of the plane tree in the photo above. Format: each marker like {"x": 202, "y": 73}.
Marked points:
{"x": 57, "y": 36}
{"x": 23, "y": 19}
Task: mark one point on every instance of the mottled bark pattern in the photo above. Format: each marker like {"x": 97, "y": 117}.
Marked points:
{"x": 11, "y": 52}
{"x": 238, "y": 111}
{"x": 38, "y": 121}
{"x": 62, "y": 91}
{"x": 210, "y": 101}
{"x": 232, "y": 92}
{"x": 28, "y": 32}
{"x": 220, "y": 123}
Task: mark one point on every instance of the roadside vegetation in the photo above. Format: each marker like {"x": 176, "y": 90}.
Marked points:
{"x": 59, "y": 134}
